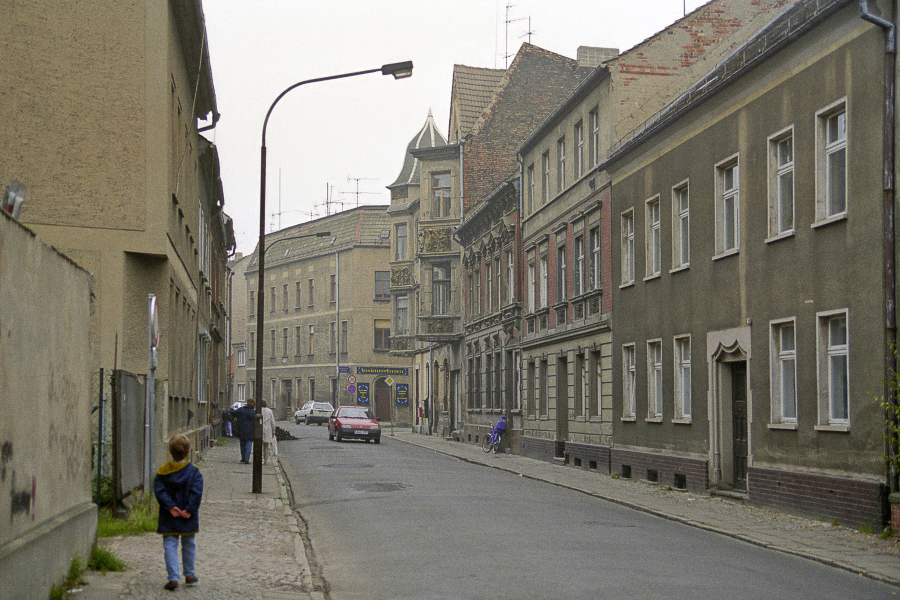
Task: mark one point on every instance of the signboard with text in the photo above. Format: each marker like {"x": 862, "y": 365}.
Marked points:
{"x": 382, "y": 371}
{"x": 362, "y": 393}
{"x": 402, "y": 394}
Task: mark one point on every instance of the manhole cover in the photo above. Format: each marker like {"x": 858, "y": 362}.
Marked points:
{"x": 378, "y": 487}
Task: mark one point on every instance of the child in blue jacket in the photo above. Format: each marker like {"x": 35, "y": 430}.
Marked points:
{"x": 178, "y": 487}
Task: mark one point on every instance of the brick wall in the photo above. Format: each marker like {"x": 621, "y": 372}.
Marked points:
{"x": 590, "y": 457}
{"x": 679, "y": 472}
{"x": 539, "y": 449}
{"x": 849, "y": 501}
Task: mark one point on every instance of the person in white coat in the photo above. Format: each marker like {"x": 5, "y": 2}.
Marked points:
{"x": 270, "y": 443}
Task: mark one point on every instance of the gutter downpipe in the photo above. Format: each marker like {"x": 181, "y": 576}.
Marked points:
{"x": 890, "y": 292}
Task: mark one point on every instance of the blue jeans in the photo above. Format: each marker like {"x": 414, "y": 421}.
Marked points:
{"x": 246, "y": 449}
{"x": 188, "y": 555}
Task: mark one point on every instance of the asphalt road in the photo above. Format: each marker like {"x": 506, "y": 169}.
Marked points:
{"x": 398, "y": 521}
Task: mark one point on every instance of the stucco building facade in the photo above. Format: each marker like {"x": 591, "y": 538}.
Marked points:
{"x": 749, "y": 345}
{"x": 327, "y": 321}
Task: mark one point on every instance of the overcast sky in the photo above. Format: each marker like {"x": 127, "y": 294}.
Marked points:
{"x": 351, "y": 134}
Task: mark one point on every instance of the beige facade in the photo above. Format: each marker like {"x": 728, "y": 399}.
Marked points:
{"x": 327, "y": 319}
{"x": 104, "y": 119}
{"x": 240, "y": 389}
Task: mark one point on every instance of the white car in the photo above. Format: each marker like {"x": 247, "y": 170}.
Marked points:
{"x": 314, "y": 412}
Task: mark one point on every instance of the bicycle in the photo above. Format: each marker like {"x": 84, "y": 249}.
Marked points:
{"x": 491, "y": 442}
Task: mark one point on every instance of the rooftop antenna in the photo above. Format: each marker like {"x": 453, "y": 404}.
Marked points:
{"x": 506, "y": 41}
{"x": 530, "y": 31}
{"x": 357, "y": 180}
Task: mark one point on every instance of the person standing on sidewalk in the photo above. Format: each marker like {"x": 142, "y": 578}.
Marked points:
{"x": 178, "y": 487}
{"x": 270, "y": 444}
{"x": 244, "y": 417}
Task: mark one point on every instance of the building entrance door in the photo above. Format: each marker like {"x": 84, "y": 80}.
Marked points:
{"x": 382, "y": 401}
{"x": 739, "y": 422}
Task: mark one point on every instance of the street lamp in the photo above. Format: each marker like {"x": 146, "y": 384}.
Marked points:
{"x": 399, "y": 70}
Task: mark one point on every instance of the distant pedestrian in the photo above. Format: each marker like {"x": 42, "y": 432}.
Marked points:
{"x": 270, "y": 444}
{"x": 178, "y": 487}
{"x": 243, "y": 418}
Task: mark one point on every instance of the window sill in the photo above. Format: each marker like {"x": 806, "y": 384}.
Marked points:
{"x": 783, "y": 426}
{"x": 652, "y": 277}
{"x": 727, "y": 253}
{"x": 682, "y": 421}
{"x": 829, "y": 220}
{"x": 680, "y": 268}
{"x": 780, "y": 236}
{"x": 833, "y": 428}
{"x": 628, "y": 419}
{"x": 627, "y": 284}
{"x": 653, "y": 420}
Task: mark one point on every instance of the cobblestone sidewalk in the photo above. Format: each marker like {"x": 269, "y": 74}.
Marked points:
{"x": 249, "y": 546}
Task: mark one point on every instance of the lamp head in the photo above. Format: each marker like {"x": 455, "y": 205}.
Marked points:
{"x": 400, "y": 70}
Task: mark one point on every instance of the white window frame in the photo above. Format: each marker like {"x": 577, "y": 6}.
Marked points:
{"x": 682, "y": 370}
{"x": 530, "y": 183}
{"x": 627, "y": 241}
{"x": 728, "y": 207}
{"x": 825, "y": 149}
{"x": 629, "y": 383}
{"x": 578, "y": 267}
{"x": 681, "y": 226}
{"x": 532, "y": 283}
{"x": 594, "y": 121}
{"x": 560, "y": 165}
{"x": 653, "y": 237}
{"x": 545, "y": 177}
{"x": 241, "y": 392}
{"x": 781, "y": 224}
{"x": 784, "y": 409}
{"x": 510, "y": 277}
{"x": 241, "y": 358}
{"x": 828, "y": 351}
{"x": 595, "y": 279}
{"x": 579, "y": 149}
{"x": 561, "y": 283}
{"x": 544, "y": 279}
{"x": 654, "y": 381}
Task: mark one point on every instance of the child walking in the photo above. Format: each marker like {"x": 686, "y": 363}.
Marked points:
{"x": 178, "y": 487}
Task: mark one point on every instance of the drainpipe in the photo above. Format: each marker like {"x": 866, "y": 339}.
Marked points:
{"x": 890, "y": 61}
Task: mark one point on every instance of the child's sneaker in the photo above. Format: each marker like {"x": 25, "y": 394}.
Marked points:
{"x": 190, "y": 580}
{"x": 172, "y": 585}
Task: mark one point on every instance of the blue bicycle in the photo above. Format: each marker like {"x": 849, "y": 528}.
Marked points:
{"x": 491, "y": 442}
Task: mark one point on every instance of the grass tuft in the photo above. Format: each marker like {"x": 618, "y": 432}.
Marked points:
{"x": 104, "y": 560}
{"x": 141, "y": 519}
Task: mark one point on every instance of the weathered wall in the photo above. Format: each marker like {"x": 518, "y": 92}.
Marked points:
{"x": 45, "y": 399}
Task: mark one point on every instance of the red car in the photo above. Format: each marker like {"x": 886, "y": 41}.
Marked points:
{"x": 353, "y": 422}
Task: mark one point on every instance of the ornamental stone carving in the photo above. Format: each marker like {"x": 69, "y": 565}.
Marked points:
{"x": 435, "y": 240}
{"x": 401, "y": 276}
{"x": 439, "y": 326}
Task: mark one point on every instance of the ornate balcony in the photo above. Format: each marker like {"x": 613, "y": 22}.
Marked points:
{"x": 439, "y": 328}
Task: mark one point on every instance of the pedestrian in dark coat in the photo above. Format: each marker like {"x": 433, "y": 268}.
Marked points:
{"x": 178, "y": 487}
{"x": 244, "y": 418}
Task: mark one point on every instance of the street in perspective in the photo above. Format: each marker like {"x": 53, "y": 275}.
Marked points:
{"x": 608, "y": 312}
{"x": 402, "y": 520}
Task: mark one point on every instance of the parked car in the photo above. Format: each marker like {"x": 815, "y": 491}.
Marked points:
{"x": 313, "y": 412}
{"x": 354, "y": 422}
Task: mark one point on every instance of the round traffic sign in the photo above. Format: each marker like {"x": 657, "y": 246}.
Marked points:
{"x": 351, "y": 379}
{"x": 351, "y": 389}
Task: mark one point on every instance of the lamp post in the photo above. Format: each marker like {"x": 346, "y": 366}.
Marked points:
{"x": 398, "y": 71}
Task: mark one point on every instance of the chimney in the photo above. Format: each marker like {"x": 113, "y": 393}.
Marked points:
{"x": 589, "y": 56}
